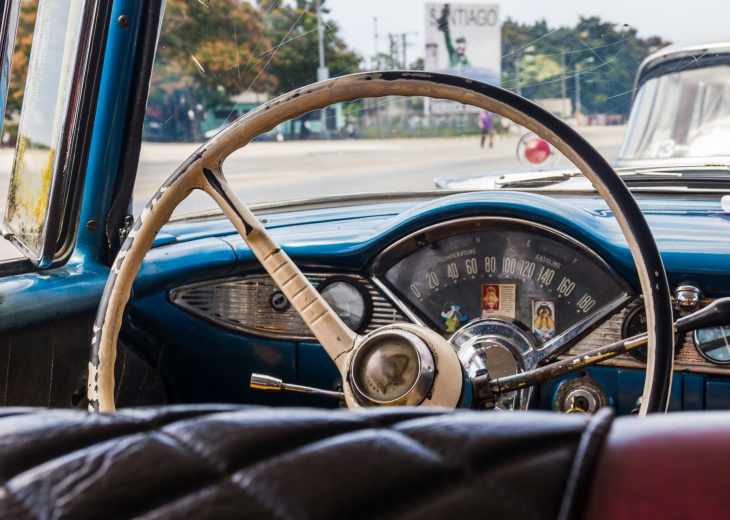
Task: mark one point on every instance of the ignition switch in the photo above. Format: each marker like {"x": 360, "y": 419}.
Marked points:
{"x": 582, "y": 395}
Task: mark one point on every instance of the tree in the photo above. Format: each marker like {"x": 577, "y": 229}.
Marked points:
{"x": 606, "y": 82}
{"x": 21, "y": 56}
{"x": 211, "y": 51}
{"x": 535, "y": 69}
{"x": 294, "y": 57}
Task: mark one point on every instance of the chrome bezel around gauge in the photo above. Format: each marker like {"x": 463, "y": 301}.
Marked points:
{"x": 416, "y": 392}
{"x": 423, "y": 237}
{"x": 705, "y": 356}
{"x": 360, "y": 288}
{"x": 639, "y": 353}
{"x": 477, "y": 338}
{"x": 498, "y": 331}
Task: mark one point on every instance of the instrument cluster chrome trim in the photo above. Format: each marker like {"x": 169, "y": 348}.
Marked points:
{"x": 422, "y": 237}
{"x": 687, "y": 357}
{"x": 704, "y": 356}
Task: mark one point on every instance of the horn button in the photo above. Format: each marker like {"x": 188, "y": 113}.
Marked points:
{"x": 393, "y": 367}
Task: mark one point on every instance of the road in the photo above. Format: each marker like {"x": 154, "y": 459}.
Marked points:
{"x": 270, "y": 171}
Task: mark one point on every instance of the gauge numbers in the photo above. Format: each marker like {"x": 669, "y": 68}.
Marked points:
{"x": 527, "y": 265}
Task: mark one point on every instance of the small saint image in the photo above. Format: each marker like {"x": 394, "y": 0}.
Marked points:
{"x": 543, "y": 319}
{"x": 452, "y": 316}
{"x": 490, "y": 298}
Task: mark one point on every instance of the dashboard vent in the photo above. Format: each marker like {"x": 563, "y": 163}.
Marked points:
{"x": 243, "y": 304}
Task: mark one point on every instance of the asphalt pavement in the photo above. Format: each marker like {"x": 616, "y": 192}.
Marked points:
{"x": 295, "y": 170}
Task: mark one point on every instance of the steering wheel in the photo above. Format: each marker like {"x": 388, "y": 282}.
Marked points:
{"x": 399, "y": 364}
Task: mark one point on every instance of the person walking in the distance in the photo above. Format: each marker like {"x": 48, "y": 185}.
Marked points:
{"x": 486, "y": 124}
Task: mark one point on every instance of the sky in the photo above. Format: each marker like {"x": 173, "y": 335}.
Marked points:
{"x": 679, "y": 21}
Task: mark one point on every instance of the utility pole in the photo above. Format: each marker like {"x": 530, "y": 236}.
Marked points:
{"x": 577, "y": 89}
{"x": 518, "y": 62}
{"x": 376, "y": 64}
{"x": 562, "y": 82}
{"x": 393, "y": 49}
{"x": 323, "y": 72}
{"x": 404, "y": 45}
{"x": 404, "y": 36}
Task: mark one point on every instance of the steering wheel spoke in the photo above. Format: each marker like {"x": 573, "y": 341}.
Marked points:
{"x": 336, "y": 337}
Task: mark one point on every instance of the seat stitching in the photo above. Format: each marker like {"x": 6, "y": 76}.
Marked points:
{"x": 146, "y": 426}
{"x": 229, "y": 474}
{"x": 190, "y": 451}
{"x": 216, "y": 464}
{"x": 366, "y": 425}
{"x": 256, "y": 490}
{"x": 469, "y": 473}
{"x": 212, "y": 485}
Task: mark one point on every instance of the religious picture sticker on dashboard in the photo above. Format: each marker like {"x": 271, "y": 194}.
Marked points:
{"x": 543, "y": 319}
{"x": 498, "y": 300}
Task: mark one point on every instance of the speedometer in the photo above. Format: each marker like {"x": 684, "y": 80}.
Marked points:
{"x": 536, "y": 278}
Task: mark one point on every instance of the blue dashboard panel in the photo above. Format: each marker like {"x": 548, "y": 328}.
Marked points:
{"x": 693, "y": 235}
{"x": 622, "y": 386}
{"x": 209, "y": 364}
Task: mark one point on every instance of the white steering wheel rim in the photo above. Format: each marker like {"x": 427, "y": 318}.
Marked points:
{"x": 203, "y": 171}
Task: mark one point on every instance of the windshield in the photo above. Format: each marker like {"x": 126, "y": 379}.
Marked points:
{"x": 217, "y": 61}
{"x": 681, "y": 114}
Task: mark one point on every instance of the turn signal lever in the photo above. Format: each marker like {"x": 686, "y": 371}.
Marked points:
{"x": 716, "y": 314}
{"x": 264, "y": 382}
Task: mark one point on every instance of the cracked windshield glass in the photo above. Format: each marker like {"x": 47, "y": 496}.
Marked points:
{"x": 218, "y": 60}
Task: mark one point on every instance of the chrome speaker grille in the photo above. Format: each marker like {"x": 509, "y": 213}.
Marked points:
{"x": 243, "y": 304}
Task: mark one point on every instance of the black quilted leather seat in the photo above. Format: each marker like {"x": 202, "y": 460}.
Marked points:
{"x": 247, "y": 462}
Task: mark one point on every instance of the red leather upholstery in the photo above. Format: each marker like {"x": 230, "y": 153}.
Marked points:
{"x": 674, "y": 466}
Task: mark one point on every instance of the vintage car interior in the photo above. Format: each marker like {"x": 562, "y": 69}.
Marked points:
{"x": 196, "y": 367}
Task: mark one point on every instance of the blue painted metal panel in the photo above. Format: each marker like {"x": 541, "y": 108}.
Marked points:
{"x": 212, "y": 365}
{"x": 717, "y": 395}
{"x": 631, "y": 387}
{"x": 37, "y": 298}
{"x": 693, "y": 392}
{"x": 316, "y": 369}
{"x": 111, "y": 113}
{"x": 690, "y": 391}
{"x": 76, "y": 288}
{"x": 184, "y": 263}
{"x": 693, "y": 237}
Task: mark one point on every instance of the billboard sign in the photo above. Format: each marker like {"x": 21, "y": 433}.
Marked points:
{"x": 464, "y": 40}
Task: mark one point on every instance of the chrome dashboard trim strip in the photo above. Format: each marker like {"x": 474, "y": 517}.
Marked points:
{"x": 398, "y": 303}
{"x": 382, "y": 311}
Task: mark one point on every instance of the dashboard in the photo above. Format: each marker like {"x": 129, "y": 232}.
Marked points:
{"x": 555, "y": 271}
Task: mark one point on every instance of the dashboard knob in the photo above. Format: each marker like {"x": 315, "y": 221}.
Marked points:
{"x": 687, "y": 298}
